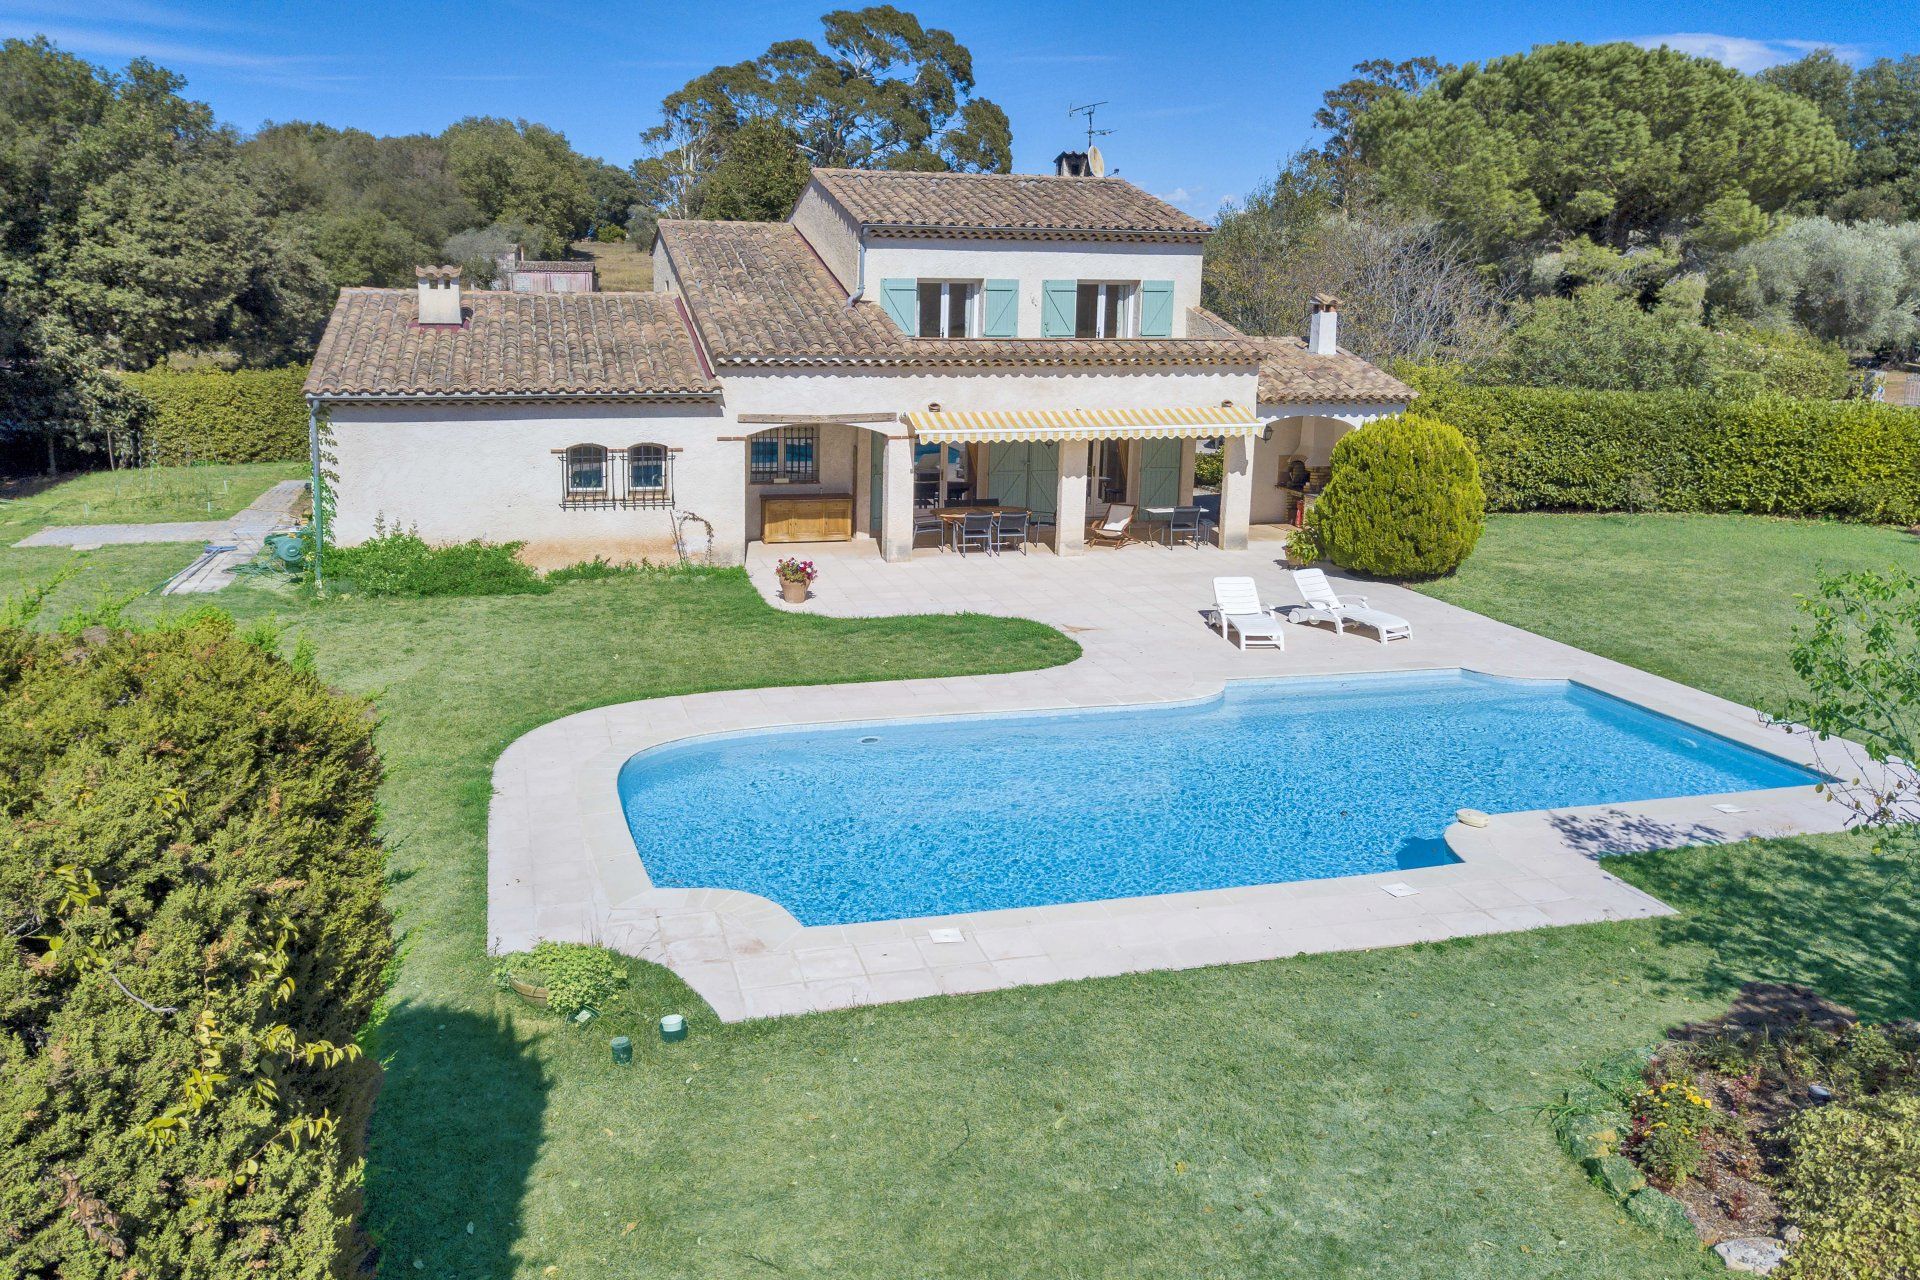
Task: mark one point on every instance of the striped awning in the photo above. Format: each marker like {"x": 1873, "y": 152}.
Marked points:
{"x": 1082, "y": 424}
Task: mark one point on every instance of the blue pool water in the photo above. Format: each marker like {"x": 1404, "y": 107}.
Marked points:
{"x": 1276, "y": 780}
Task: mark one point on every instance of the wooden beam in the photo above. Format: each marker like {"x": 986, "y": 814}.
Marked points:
{"x": 811, "y": 419}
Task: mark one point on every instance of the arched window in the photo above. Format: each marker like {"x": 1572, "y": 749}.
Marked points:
{"x": 586, "y": 470}
{"x": 647, "y": 471}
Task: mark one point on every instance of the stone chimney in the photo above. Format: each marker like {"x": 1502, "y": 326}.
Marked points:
{"x": 1080, "y": 164}
{"x": 1323, "y": 325}
{"x": 439, "y": 294}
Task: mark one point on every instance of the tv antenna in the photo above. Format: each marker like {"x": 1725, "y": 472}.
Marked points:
{"x": 1087, "y": 110}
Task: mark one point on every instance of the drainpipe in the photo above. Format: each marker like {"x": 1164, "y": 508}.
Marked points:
{"x": 319, "y": 507}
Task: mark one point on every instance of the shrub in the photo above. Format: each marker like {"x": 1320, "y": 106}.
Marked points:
{"x": 398, "y": 562}
{"x": 592, "y": 571}
{"x": 576, "y": 976}
{"x": 1670, "y": 1123}
{"x": 1209, "y": 470}
{"x": 250, "y": 415}
{"x": 192, "y": 892}
{"x": 1549, "y": 450}
{"x": 1404, "y": 500}
{"x": 1852, "y": 1185}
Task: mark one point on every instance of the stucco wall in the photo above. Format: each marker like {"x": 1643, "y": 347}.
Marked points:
{"x": 833, "y": 235}
{"x": 456, "y": 472}
{"x": 1032, "y": 262}
{"x": 776, "y": 391}
{"x": 1312, "y": 436}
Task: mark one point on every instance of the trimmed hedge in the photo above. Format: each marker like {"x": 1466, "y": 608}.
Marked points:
{"x": 191, "y": 884}
{"x": 248, "y": 415}
{"x": 1553, "y": 450}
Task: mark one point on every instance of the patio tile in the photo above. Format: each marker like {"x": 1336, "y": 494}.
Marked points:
{"x": 1010, "y": 943}
{"x": 770, "y": 970}
{"x": 966, "y": 979}
{"x": 889, "y": 957}
{"x": 1023, "y": 971}
{"x": 906, "y": 985}
{"x": 828, "y": 962}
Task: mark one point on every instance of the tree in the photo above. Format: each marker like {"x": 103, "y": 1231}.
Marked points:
{"x": 1857, "y": 285}
{"x": 1343, "y": 105}
{"x": 884, "y": 92}
{"x": 363, "y": 247}
{"x": 1408, "y": 288}
{"x": 518, "y": 171}
{"x": 758, "y": 178}
{"x": 1860, "y": 661}
{"x": 129, "y": 229}
{"x": 1600, "y": 338}
{"x": 1876, "y": 111}
{"x": 1613, "y": 141}
{"x": 615, "y": 191}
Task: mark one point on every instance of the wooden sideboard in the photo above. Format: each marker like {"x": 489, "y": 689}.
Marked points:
{"x": 812, "y": 517}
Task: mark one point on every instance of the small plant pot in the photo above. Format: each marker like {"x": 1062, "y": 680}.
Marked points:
{"x": 528, "y": 991}
{"x": 793, "y": 592}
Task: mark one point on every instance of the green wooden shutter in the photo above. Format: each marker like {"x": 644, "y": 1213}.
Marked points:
{"x": 1043, "y": 478}
{"x": 1058, "y": 299}
{"x": 901, "y": 298}
{"x": 1159, "y": 473}
{"x": 1156, "y": 308}
{"x": 1000, "y": 309}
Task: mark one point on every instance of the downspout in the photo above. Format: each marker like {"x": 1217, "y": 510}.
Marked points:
{"x": 319, "y": 506}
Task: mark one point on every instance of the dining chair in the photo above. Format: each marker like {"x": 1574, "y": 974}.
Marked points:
{"x": 976, "y": 530}
{"x": 1010, "y": 530}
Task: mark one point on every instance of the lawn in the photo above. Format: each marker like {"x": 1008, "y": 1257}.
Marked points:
{"x": 144, "y": 496}
{"x": 1356, "y": 1115}
{"x": 1705, "y": 600}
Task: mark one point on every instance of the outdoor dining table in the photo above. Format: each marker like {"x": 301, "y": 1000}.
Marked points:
{"x": 950, "y": 518}
{"x": 1163, "y": 516}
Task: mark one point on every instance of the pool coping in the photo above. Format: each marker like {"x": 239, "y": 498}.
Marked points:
{"x": 562, "y": 863}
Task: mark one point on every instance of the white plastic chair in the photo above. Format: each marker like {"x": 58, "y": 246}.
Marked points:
{"x": 1325, "y": 605}
{"x": 1236, "y": 603}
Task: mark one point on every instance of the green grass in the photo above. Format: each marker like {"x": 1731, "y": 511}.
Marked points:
{"x": 1357, "y": 1115}
{"x": 1705, "y": 600}
{"x": 144, "y": 495}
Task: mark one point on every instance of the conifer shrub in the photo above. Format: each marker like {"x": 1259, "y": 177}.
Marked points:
{"x": 192, "y": 889}
{"x": 1404, "y": 500}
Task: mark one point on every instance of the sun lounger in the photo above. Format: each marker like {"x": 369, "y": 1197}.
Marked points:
{"x": 1324, "y": 605}
{"x": 1236, "y": 603}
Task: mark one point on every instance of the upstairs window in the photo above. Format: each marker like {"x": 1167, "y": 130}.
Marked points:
{"x": 789, "y": 455}
{"x": 1105, "y": 310}
{"x": 949, "y": 308}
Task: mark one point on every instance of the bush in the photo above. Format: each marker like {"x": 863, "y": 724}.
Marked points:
{"x": 396, "y": 562}
{"x": 1852, "y": 1185}
{"x": 1209, "y": 470}
{"x": 192, "y": 892}
{"x": 1547, "y": 450}
{"x": 250, "y": 415}
{"x": 593, "y": 570}
{"x": 1404, "y": 500}
{"x": 576, "y": 976}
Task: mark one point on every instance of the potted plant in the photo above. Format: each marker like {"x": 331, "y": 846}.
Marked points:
{"x": 795, "y": 577}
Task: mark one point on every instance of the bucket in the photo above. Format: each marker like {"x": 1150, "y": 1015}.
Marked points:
{"x": 673, "y": 1027}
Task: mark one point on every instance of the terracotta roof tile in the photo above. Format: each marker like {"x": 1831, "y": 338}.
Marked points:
{"x": 760, "y": 296}
{"x": 1005, "y": 205}
{"x": 512, "y": 344}
{"x": 1290, "y": 375}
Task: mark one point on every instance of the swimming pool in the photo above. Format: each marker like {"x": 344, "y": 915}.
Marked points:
{"x": 1274, "y": 780}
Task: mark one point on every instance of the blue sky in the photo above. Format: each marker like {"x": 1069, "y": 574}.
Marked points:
{"x": 1204, "y": 98}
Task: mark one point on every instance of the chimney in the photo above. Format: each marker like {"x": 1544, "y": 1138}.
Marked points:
{"x": 439, "y": 294}
{"x": 1323, "y": 325}
{"x": 1071, "y": 164}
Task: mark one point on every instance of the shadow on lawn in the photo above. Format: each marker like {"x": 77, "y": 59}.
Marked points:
{"x": 1819, "y": 911}
{"x": 459, "y": 1123}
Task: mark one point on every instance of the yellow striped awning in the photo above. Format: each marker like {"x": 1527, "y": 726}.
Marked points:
{"x": 1082, "y": 424}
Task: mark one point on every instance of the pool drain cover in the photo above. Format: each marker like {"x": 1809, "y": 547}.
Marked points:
{"x": 869, "y": 739}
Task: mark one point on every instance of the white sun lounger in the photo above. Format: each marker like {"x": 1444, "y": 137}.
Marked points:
{"x": 1323, "y": 605}
{"x": 1236, "y": 603}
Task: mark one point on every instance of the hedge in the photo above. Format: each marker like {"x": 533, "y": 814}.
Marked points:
{"x": 1543, "y": 449}
{"x": 248, "y": 415}
{"x": 1405, "y": 500}
{"x": 191, "y": 883}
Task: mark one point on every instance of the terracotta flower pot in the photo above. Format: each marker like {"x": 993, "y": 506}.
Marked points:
{"x": 528, "y": 991}
{"x": 793, "y": 592}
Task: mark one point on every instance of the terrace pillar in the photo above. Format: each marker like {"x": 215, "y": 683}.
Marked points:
{"x": 1070, "y": 502}
{"x": 896, "y": 498}
{"x": 1236, "y": 493}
